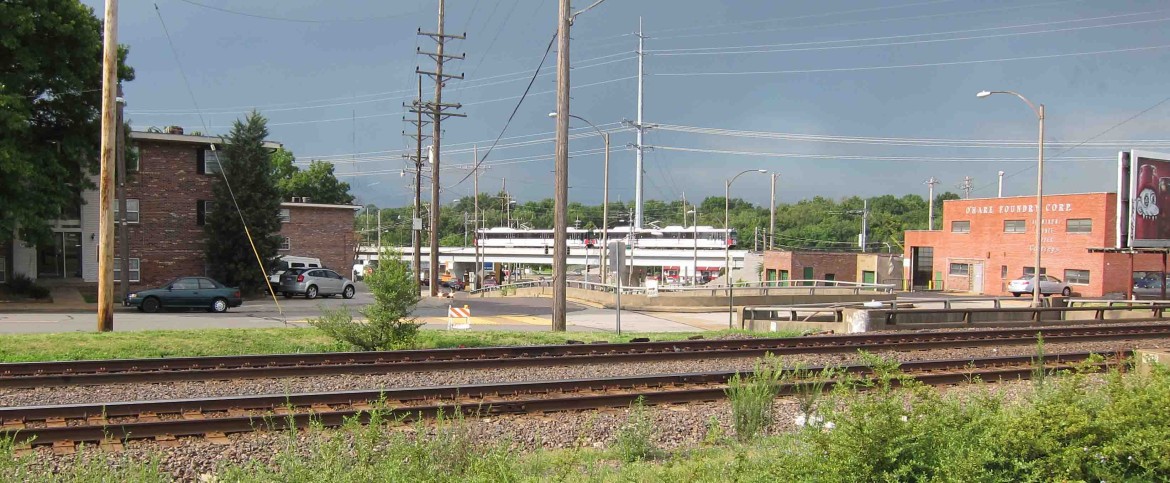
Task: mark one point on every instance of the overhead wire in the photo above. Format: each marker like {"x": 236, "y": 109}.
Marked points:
{"x": 861, "y": 157}
{"x": 297, "y": 20}
{"x": 805, "y": 17}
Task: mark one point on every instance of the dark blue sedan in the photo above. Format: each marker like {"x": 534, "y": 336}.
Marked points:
{"x": 187, "y": 292}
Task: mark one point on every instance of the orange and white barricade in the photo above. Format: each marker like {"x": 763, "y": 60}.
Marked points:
{"x": 458, "y": 313}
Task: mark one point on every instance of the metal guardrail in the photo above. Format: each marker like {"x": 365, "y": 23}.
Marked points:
{"x": 891, "y": 316}
{"x": 893, "y": 308}
{"x": 792, "y": 287}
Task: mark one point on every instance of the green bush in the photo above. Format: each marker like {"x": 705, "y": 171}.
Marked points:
{"x": 388, "y": 322}
{"x": 20, "y": 284}
{"x": 634, "y": 440}
{"x": 38, "y": 292}
{"x": 752, "y": 397}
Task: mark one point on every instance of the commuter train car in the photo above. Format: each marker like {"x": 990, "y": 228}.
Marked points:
{"x": 671, "y": 237}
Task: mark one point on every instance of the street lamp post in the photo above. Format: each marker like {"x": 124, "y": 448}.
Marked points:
{"x": 604, "y": 195}
{"x": 1039, "y": 111}
{"x": 727, "y": 243}
{"x": 695, "y": 261}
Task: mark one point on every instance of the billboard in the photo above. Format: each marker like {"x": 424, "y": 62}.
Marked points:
{"x": 1143, "y": 199}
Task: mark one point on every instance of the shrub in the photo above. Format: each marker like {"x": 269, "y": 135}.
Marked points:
{"x": 38, "y": 292}
{"x": 634, "y": 439}
{"x": 20, "y": 284}
{"x": 388, "y": 322}
{"x": 752, "y": 398}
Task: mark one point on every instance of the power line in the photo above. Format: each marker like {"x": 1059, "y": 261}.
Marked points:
{"x": 804, "y": 17}
{"x": 905, "y": 66}
{"x": 297, "y": 20}
{"x": 862, "y": 158}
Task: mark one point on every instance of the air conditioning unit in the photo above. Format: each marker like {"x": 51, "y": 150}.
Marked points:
{"x": 306, "y": 200}
{"x": 296, "y": 199}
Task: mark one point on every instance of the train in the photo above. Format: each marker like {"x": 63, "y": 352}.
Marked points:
{"x": 670, "y": 237}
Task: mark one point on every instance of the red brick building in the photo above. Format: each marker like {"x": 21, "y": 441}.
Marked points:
{"x": 780, "y": 266}
{"x": 168, "y": 193}
{"x": 985, "y": 243}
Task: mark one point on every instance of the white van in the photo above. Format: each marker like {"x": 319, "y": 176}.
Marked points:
{"x": 288, "y": 261}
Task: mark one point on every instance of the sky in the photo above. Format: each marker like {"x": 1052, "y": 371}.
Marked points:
{"x": 839, "y": 97}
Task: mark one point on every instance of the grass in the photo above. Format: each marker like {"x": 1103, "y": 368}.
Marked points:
{"x": 1112, "y": 427}
{"x": 213, "y": 342}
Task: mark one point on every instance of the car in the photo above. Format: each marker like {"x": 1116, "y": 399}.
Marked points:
{"x": 288, "y": 262}
{"x": 1148, "y": 287}
{"x": 312, "y": 282}
{"x": 187, "y": 292}
{"x": 1048, "y": 285}
{"x": 453, "y": 284}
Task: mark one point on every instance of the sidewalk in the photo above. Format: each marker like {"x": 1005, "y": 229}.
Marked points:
{"x": 63, "y": 300}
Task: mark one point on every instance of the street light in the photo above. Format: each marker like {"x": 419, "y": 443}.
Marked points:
{"x": 1039, "y": 111}
{"x": 727, "y": 243}
{"x": 604, "y": 196}
{"x": 695, "y": 262}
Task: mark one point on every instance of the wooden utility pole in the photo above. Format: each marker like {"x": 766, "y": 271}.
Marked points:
{"x": 561, "y": 181}
{"x": 437, "y": 110}
{"x": 416, "y": 228}
{"x": 123, "y": 228}
{"x": 770, "y": 238}
{"x": 930, "y": 203}
{"x": 475, "y": 215}
{"x": 105, "y": 313}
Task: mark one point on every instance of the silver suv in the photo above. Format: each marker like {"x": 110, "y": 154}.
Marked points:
{"x": 312, "y": 282}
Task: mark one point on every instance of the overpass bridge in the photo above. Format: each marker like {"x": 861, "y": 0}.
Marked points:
{"x": 707, "y": 259}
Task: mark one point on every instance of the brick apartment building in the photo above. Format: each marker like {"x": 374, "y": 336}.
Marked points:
{"x": 985, "y": 243}
{"x": 781, "y": 266}
{"x": 168, "y": 193}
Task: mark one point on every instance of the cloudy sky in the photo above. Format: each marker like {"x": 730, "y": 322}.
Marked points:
{"x": 841, "y": 97}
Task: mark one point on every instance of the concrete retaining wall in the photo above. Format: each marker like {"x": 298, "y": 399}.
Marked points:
{"x": 692, "y": 302}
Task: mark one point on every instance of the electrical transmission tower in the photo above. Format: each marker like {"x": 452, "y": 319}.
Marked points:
{"x": 437, "y": 110}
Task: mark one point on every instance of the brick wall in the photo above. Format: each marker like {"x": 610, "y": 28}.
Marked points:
{"x": 988, "y": 248}
{"x": 842, "y": 266}
{"x": 321, "y": 231}
{"x": 168, "y": 240}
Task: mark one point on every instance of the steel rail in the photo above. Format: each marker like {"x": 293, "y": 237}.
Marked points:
{"x": 574, "y": 394}
{"x": 92, "y": 372}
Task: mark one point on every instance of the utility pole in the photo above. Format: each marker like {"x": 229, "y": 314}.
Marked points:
{"x": 1000, "y": 195}
{"x": 605, "y": 214}
{"x": 105, "y": 312}
{"x": 123, "y": 228}
{"x": 416, "y": 223}
{"x": 930, "y": 203}
{"x": 966, "y": 187}
{"x": 475, "y": 214}
{"x": 770, "y": 238}
{"x": 641, "y": 131}
{"x": 865, "y": 225}
{"x": 561, "y": 163}
{"x": 438, "y": 111}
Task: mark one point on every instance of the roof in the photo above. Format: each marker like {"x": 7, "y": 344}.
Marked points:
{"x": 319, "y": 205}
{"x": 1033, "y": 196}
{"x": 189, "y": 139}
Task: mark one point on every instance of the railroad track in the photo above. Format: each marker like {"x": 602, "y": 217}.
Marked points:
{"x": 74, "y": 373}
{"x": 64, "y": 425}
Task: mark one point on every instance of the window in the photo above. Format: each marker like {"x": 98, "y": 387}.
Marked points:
{"x": 784, "y": 278}
{"x": 1077, "y": 277}
{"x": 135, "y": 272}
{"x": 285, "y": 215}
{"x": 1003, "y": 271}
{"x": 1079, "y": 225}
{"x": 185, "y": 284}
{"x": 3, "y": 269}
{"x": 134, "y": 161}
{"x": 132, "y": 212}
{"x": 1028, "y": 271}
{"x": 829, "y": 279}
{"x": 960, "y": 269}
{"x": 203, "y": 210}
{"x": 960, "y": 227}
{"x": 208, "y": 161}
{"x": 1014, "y": 226}
{"x": 206, "y": 284}
{"x": 286, "y": 243}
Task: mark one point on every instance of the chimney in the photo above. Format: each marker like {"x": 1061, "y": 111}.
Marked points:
{"x": 174, "y": 130}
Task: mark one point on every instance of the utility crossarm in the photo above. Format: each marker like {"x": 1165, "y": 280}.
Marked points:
{"x": 442, "y": 115}
{"x": 436, "y": 74}
{"x": 435, "y": 56}
{"x": 445, "y": 36}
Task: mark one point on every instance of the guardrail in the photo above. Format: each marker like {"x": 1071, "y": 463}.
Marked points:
{"x": 794, "y": 287}
{"x": 1036, "y": 313}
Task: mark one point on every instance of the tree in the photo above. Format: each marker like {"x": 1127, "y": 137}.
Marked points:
{"x": 249, "y": 193}
{"x": 388, "y": 322}
{"x": 317, "y": 183}
{"x": 50, "y": 111}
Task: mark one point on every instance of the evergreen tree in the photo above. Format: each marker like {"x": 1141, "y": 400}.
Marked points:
{"x": 245, "y": 165}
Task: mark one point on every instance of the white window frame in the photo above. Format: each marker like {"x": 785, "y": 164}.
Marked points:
{"x": 208, "y": 206}
{"x": 211, "y": 158}
{"x": 1069, "y": 280}
{"x": 1023, "y": 223}
{"x": 285, "y": 215}
{"x": 133, "y": 211}
{"x": 966, "y": 270}
{"x": 285, "y": 244}
{"x": 1068, "y": 225}
{"x": 968, "y": 225}
{"x": 135, "y": 269}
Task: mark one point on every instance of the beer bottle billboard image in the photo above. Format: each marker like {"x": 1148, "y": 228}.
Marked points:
{"x": 1150, "y": 189}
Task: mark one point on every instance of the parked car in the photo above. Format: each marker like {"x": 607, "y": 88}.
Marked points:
{"x": 453, "y": 284}
{"x": 288, "y": 262}
{"x": 187, "y": 292}
{"x": 1149, "y": 287}
{"x": 1048, "y": 285}
{"x": 312, "y": 282}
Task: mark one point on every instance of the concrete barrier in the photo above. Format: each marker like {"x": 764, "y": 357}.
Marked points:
{"x": 690, "y": 302}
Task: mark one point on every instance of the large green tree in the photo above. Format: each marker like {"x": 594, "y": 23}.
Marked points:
{"x": 246, "y": 202}
{"x": 318, "y": 182}
{"x": 50, "y": 110}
